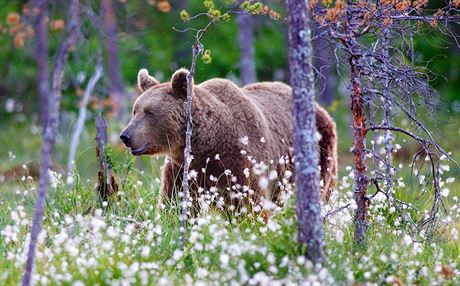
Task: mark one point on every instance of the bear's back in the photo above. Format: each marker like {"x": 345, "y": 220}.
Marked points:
{"x": 258, "y": 110}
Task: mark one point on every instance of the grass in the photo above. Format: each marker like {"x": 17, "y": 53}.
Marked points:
{"x": 135, "y": 242}
{"x": 132, "y": 242}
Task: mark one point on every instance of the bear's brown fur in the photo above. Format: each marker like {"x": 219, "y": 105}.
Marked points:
{"x": 233, "y": 128}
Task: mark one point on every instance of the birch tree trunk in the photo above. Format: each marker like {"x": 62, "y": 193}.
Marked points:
{"x": 246, "y": 41}
{"x": 53, "y": 100}
{"x": 308, "y": 207}
{"x": 113, "y": 60}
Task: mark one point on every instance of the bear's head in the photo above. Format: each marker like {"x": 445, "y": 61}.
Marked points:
{"x": 157, "y": 125}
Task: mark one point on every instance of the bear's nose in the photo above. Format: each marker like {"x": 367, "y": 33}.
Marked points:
{"x": 125, "y": 138}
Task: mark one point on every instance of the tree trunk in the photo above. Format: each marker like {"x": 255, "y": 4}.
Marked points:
{"x": 246, "y": 41}
{"x": 41, "y": 56}
{"x": 359, "y": 150}
{"x": 113, "y": 60}
{"x": 49, "y": 132}
{"x": 308, "y": 207}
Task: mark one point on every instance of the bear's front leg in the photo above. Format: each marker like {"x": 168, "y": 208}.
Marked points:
{"x": 171, "y": 179}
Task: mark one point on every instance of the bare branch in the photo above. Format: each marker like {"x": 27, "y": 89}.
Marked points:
{"x": 82, "y": 114}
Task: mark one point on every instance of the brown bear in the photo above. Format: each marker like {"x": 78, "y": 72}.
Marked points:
{"x": 241, "y": 138}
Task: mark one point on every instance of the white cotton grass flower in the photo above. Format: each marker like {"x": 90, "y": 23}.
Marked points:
{"x": 287, "y": 174}
{"x": 445, "y": 192}
{"x": 421, "y": 179}
{"x": 224, "y": 259}
{"x": 454, "y": 233}
{"x": 407, "y": 240}
{"x": 192, "y": 175}
{"x": 55, "y": 178}
{"x": 263, "y": 182}
{"x": 134, "y": 252}
{"x": 273, "y": 175}
{"x": 145, "y": 251}
{"x": 244, "y": 140}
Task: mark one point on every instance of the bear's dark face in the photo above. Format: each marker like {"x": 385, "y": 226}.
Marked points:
{"x": 158, "y": 121}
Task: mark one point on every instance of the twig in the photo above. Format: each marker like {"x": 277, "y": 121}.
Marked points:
{"x": 334, "y": 212}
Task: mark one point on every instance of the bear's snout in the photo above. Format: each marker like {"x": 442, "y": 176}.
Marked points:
{"x": 126, "y": 138}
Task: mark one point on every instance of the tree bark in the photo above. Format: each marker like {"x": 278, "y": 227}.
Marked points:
{"x": 49, "y": 133}
{"x": 113, "y": 60}
{"x": 41, "y": 56}
{"x": 246, "y": 41}
{"x": 308, "y": 207}
{"x": 106, "y": 183}
{"x": 359, "y": 150}
{"x": 185, "y": 193}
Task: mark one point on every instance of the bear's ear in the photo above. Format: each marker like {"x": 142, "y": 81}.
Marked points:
{"x": 179, "y": 83}
{"x": 145, "y": 81}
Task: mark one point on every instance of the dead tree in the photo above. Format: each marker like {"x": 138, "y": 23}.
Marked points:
{"x": 113, "y": 60}
{"x": 215, "y": 16}
{"x": 359, "y": 150}
{"x": 50, "y": 129}
{"x": 197, "y": 49}
{"x": 308, "y": 207}
{"x": 381, "y": 76}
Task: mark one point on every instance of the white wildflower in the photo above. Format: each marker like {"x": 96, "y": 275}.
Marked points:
{"x": 244, "y": 140}
{"x": 273, "y": 175}
{"x": 263, "y": 182}
{"x": 445, "y": 192}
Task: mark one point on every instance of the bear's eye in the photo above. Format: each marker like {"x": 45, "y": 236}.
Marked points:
{"x": 148, "y": 111}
